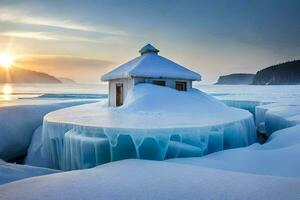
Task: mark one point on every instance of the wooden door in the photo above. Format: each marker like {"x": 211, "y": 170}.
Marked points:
{"x": 119, "y": 94}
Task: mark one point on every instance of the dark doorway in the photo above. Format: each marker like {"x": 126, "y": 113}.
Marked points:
{"x": 119, "y": 94}
{"x": 181, "y": 85}
{"x": 161, "y": 83}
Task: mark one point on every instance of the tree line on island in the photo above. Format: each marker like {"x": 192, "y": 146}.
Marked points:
{"x": 287, "y": 73}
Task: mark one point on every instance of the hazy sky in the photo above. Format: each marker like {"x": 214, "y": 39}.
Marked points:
{"x": 83, "y": 39}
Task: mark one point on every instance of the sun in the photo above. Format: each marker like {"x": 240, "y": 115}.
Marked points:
{"x": 6, "y": 60}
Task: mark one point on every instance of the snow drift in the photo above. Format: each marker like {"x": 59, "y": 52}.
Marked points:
{"x": 141, "y": 179}
{"x": 19, "y": 121}
{"x": 13, "y": 172}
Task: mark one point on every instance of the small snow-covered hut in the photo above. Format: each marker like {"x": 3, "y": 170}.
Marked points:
{"x": 149, "y": 67}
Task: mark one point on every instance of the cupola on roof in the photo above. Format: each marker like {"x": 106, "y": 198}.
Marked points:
{"x": 148, "y": 49}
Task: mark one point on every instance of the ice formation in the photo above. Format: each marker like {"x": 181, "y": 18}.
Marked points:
{"x": 279, "y": 120}
{"x": 18, "y": 121}
{"x": 277, "y": 157}
{"x": 35, "y": 156}
{"x": 244, "y": 104}
{"x": 274, "y": 107}
{"x": 143, "y": 179}
{"x": 276, "y": 116}
{"x": 154, "y": 123}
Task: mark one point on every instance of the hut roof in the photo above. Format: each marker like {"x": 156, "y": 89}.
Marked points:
{"x": 151, "y": 65}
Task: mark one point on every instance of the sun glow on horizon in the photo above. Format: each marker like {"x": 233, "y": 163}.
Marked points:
{"x": 7, "y": 89}
{"x": 6, "y": 60}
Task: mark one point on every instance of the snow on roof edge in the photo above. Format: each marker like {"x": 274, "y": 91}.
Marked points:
{"x": 139, "y": 67}
{"x": 103, "y": 78}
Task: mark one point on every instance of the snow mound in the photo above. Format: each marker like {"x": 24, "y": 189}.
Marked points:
{"x": 141, "y": 179}
{"x": 283, "y": 138}
{"x": 151, "y": 98}
{"x": 13, "y": 172}
{"x": 154, "y": 123}
{"x": 19, "y": 121}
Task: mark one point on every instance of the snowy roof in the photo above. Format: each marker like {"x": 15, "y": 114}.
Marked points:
{"x": 151, "y": 65}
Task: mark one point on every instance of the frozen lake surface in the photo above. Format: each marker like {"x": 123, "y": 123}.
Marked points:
{"x": 281, "y": 93}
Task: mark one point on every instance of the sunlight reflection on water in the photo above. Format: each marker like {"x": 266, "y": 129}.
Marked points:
{"x": 7, "y": 91}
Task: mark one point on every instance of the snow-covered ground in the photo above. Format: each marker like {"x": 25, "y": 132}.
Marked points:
{"x": 141, "y": 179}
{"x": 259, "y": 171}
{"x": 12, "y": 172}
{"x": 154, "y": 123}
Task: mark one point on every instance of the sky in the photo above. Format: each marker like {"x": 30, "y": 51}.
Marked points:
{"x": 82, "y": 40}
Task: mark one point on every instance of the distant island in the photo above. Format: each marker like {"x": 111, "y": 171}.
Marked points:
{"x": 20, "y": 75}
{"x": 236, "y": 79}
{"x": 287, "y": 73}
{"x": 66, "y": 80}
